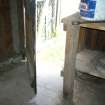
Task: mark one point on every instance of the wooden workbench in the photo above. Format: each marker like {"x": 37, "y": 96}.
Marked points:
{"x": 74, "y": 44}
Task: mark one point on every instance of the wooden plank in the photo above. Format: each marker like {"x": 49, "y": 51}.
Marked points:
{"x": 101, "y": 40}
{"x": 82, "y": 38}
{"x": 98, "y": 26}
{"x": 30, "y": 40}
{"x": 86, "y": 62}
{"x": 93, "y": 39}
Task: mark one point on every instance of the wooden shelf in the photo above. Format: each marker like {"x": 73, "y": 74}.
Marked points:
{"x": 98, "y": 26}
{"x": 86, "y": 62}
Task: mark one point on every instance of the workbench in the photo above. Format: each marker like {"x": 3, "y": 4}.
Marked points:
{"x": 78, "y": 51}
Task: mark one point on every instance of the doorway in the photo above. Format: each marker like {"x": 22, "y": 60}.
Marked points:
{"x": 50, "y": 49}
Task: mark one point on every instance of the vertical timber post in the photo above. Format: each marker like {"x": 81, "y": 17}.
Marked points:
{"x": 30, "y": 22}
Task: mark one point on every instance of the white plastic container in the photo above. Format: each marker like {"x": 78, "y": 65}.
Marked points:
{"x": 92, "y": 10}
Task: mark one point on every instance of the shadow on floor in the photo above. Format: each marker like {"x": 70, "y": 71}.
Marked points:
{"x": 14, "y": 85}
{"x": 89, "y": 90}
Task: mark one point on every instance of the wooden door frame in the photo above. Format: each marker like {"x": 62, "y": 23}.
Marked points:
{"x": 30, "y": 23}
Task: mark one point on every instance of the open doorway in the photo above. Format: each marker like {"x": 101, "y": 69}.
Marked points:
{"x": 50, "y": 50}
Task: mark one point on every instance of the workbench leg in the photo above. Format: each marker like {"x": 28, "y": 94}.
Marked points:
{"x": 70, "y": 57}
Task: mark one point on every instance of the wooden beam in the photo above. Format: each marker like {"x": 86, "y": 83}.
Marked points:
{"x": 30, "y": 23}
{"x": 72, "y": 36}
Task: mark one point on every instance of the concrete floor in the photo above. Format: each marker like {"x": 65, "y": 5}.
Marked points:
{"x": 14, "y": 85}
{"x": 15, "y": 88}
{"x": 89, "y": 90}
{"x": 50, "y": 86}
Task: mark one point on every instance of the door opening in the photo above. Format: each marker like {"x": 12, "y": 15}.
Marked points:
{"x": 50, "y": 45}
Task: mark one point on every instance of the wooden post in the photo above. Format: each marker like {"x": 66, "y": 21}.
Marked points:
{"x": 72, "y": 36}
{"x": 30, "y": 23}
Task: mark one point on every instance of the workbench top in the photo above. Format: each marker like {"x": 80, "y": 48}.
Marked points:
{"x": 76, "y": 17}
